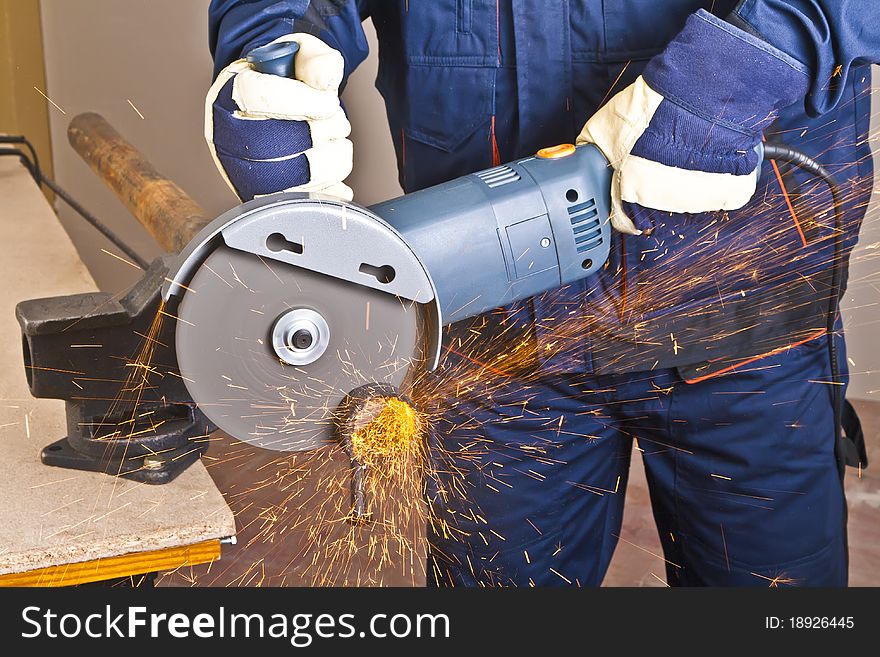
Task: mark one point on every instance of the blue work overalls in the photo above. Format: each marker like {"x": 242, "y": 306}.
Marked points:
{"x": 739, "y": 447}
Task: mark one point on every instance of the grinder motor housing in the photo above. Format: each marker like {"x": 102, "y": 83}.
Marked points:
{"x": 510, "y": 232}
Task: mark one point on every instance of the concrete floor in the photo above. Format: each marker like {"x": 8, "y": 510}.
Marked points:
{"x": 638, "y": 558}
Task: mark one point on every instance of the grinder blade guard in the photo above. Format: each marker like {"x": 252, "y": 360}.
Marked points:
{"x": 288, "y": 303}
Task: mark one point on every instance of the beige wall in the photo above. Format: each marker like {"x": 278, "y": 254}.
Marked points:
{"x": 23, "y": 111}
{"x": 861, "y": 305}
{"x": 99, "y": 55}
{"x": 102, "y": 53}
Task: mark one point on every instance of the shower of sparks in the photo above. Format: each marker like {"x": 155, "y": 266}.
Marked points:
{"x": 425, "y": 469}
{"x": 389, "y": 439}
{"x": 134, "y": 108}
{"x": 121, "y": 259}
{"x": 54, "y": 104}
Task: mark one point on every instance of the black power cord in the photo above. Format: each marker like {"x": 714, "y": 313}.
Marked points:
{"x": 802, "y": 161}
{"x": 32, "y": 164}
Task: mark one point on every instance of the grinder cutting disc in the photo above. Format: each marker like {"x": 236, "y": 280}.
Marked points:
{"x": 269, "y": 349}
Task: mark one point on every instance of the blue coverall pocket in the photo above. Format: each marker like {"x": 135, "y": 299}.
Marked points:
{"x": 454, "y": 101}
{"x": 448, "y": 29}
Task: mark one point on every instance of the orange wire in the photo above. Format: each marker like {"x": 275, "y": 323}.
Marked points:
{"x": 496, "y": 156}
{"x": 797, "y": 223}
{"x": 480, "y": 363}
{"x": 748, "y": 361}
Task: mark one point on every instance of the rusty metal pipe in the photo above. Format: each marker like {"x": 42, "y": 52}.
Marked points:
{"x": 163, "y": 208}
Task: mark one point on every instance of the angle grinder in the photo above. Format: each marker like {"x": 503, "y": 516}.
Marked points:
{"x": 289, "y": 312}
{"x": 289, "y": 303}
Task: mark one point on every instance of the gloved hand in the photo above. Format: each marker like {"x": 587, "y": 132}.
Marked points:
{"x": 682, "y": 137}
{"x": 270, "y": 134}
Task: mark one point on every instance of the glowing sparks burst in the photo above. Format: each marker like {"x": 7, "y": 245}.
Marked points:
{"x": 393, "y": 437}
{"x": 294, "y": 510}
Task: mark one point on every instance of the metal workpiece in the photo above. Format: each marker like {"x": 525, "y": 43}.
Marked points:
{"x": 510, "y": 232}
{"x": 113, "y": 364}
{"x": 160, "y": 205}
{"x": 360, "y": 407}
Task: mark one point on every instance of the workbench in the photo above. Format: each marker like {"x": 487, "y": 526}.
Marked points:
{"x": 59, "y": 526}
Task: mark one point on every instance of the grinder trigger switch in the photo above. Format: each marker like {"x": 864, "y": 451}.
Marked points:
{"x": 556, "y": 152}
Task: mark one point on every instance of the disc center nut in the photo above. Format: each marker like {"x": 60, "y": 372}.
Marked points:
{"x": 300, "y": 336}
{"x": 302, "y": 339}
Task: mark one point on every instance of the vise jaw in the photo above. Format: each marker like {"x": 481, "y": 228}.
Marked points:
{"x": 113, "y": 364}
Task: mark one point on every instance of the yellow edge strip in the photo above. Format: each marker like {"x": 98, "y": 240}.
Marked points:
{"x": 135, "y": 563}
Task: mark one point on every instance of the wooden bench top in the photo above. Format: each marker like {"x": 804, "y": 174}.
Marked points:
{"x": 52, "y": 516}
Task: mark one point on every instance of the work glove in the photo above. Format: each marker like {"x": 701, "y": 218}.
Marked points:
{"x": 682, "y": 137}
{"x": 271, "y": 134}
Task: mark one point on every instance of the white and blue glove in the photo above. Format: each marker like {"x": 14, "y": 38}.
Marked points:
{"x": 271, "y": 134}
{"x": 682, "y": 137}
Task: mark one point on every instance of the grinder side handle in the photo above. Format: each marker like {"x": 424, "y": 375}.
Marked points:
{"x": 274, "y": 58}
